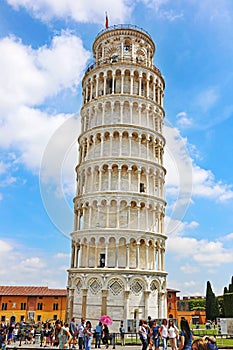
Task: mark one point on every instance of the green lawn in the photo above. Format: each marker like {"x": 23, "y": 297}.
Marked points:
{"x": 202, "y": 332}
{"x": 222, "y": 341}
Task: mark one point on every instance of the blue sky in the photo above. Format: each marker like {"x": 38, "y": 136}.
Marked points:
{"x": 44, "y": 49}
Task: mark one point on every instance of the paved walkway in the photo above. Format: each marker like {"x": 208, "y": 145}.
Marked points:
{"x": 37, "y": 346}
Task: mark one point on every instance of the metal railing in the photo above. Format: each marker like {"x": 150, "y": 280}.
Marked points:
{"x": 123, "y": 26}
{"x": 116, "y": 59}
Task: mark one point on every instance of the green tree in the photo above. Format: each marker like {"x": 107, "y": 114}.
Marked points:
{"x": 228, "y": 302}
{"x": 221, "y": 306}
{"x": 231, "y": 286}
{"x": 196, "y": 304}
{"x": 211, "y": 303}
{"x": 228, "y": 299}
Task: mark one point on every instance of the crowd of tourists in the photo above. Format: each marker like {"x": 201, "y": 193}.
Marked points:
{"x": 63, "y": 335}
{"x": 154, "y": 335}
{"x": 82, "y": 335}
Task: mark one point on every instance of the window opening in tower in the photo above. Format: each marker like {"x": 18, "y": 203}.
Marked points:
{"x": 102, "y": 260}
{"x": 142, "y": 187}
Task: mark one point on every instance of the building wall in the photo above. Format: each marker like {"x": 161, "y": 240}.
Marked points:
{"x": 14, "y": 307}
{"x": 174, "y": 309}
{"x": 191, "y": 315}
{"x": 172, "y": 304}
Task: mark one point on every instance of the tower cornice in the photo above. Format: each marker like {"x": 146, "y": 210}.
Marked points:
{"x": 125, "y": 30}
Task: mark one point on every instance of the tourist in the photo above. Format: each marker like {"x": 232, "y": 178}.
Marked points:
{"x": 48, "y": 331}
{"x": 122, "y": 334}
{"x": 186, "y": 336}
{"x": 87, "y": 336}
{"x": 199, "y": 344}
{"x": 164, "y": 333}
{"x": 3, "y": 339}
{"x": 80, "y": 329}
{"x": 155, "y": 334}
{"x": 10, "y": 334}
{"x": 143, "y": 334}
{"x": 63, "y": 335}
{"x": 173, "y": 333}
{"x": 98, "y": 335}
{"x": 211, "y": 342}
{"x": 15, "y": 333}
{"x": 73, "y": 332}
{"x": 105, "y": 335}
{"x": 31, "y": 335}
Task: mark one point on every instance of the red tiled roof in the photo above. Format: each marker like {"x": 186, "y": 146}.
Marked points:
{"x": 31, "y": 291}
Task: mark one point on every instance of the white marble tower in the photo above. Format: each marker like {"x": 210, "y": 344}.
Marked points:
{"x": 118, "y": 242}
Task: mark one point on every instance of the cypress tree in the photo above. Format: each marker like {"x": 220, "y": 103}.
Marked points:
{"x": 231, "y": 286}
{"x": 211, "y": 303}
{"x": 228, "y": 300}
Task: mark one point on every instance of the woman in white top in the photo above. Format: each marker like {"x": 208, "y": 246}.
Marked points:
{"x": 164, "y": 333}
{"x": 142, "y": 330}
{"x": 172, "y": 334}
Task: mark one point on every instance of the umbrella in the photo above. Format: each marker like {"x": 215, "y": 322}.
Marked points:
{"x": 105, "y": 320}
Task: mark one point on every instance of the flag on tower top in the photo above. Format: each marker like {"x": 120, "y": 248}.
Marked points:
{"x": 106, "y": 21}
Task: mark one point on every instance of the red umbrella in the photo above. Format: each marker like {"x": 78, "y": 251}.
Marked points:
{"x": 105, "y": 320}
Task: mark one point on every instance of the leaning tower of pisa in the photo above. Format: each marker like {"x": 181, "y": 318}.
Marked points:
{"x": 118, "y": 242}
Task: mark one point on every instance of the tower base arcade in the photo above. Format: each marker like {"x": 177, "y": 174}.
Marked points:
{"x": 124, "y": 296}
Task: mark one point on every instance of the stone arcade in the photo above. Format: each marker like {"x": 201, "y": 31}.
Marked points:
{"x": 118, "y": 242}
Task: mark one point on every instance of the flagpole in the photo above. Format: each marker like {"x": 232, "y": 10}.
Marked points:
{"x": 106, "y": 20}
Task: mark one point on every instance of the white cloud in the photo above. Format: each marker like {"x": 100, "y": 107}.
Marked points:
{"x": 159, "y": 8}
{"x": 203, "y": 252}
{"x": 61, "y": 256}
{"x": 57, "y": 173}
{"x": 59, "y": 158}
{"x": 178, "y": 227}
{"x": 28, "y": 78}
{"x": 177, "y": 160}
{"x": 189, "y": 269}
{"x": 154, "y": 4}
{"x": 204, "y": 185}
{"x": 33, "y": 263}
{"x": 183, "y": 120}
{"x": 207, "y": 98}
{"x": 185, "y": 178}
{"x": 179, "y": 178}
{"x": 171, "y": 15}
{"x": 80, "y": 11}
{"x": 213, "y": 10}
{"x": 190, "y": 283}
{"x": 5, "y": 247}
{"x": 63, "y": 268}
{"x": 27, "y": 266}
{"x": 3, "y": 167}
{"x": 228, "y": 237}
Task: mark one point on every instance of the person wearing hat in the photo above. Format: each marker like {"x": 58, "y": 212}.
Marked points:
{"x": 211, "y": 342}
